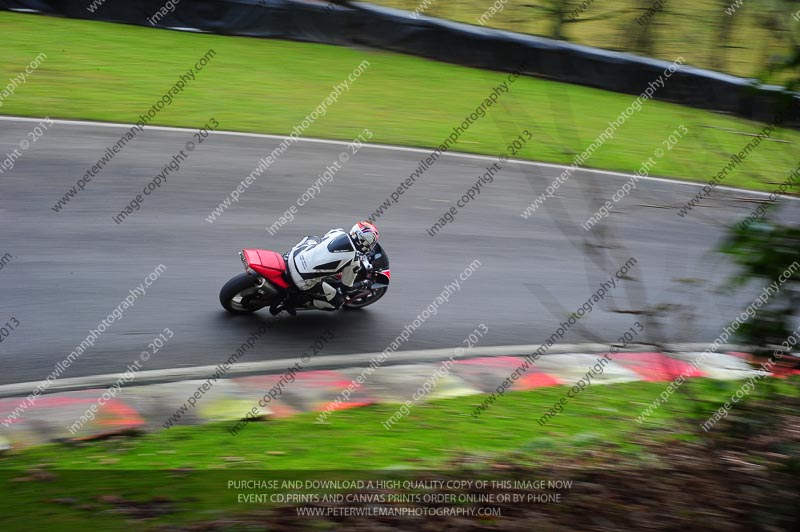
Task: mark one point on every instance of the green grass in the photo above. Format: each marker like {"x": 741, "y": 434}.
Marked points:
{"x": 181, "y": 475}
{"x": 110, "y": 72}
{"x": 433, "y": 435}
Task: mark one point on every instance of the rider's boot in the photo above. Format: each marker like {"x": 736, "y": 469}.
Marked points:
{"x": 321, "y": 304}
{"x": 279, "y": 306}
{"x": 275, "y": 308}
{"x": 333, "y": 298}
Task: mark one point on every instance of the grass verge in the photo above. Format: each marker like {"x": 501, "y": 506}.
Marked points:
{"x": 181, "y": 476}
{"x": 111, "y": 72}
{"x": 433, "y": 435}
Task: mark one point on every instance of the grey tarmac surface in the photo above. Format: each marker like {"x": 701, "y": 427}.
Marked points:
{"x": 71, "y": 269}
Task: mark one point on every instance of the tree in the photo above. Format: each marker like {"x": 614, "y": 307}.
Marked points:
{"x": 725, "y": 25}
{"x": 765, "y": 251}
{"x": 564, "y": 12}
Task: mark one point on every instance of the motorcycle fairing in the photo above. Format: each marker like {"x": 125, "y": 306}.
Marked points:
{"x": 268, "y": 264}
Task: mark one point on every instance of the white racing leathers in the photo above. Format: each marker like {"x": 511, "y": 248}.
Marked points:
{"x": 310, "y": 261}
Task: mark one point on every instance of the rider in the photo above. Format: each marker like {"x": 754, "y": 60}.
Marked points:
{"x": 314, "y": 259}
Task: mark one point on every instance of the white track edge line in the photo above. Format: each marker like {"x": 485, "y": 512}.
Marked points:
{"x": 394, "y": 148}
{"x": 334, "y": 361}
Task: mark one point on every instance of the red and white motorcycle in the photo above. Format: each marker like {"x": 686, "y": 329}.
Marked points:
{"x": 266, "y": 280}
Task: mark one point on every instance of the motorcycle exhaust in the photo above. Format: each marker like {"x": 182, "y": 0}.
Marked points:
{"x": 265, "y": 287}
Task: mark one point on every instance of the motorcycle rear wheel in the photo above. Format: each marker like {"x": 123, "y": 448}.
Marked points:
{"x": 240, "y": 295}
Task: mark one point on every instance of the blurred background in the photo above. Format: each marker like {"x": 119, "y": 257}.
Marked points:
{"x": 645, "y": 149}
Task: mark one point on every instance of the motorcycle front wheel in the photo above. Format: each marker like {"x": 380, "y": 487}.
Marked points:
{"x": 365, "y": 298}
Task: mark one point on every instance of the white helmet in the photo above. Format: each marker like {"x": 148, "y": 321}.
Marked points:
{"x": 364, "y": 236}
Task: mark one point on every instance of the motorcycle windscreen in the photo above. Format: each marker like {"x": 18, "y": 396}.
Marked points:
{"x": 379, "y": 260}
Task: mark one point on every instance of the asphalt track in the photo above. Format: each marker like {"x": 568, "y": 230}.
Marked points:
{"x": 73, "y": 268}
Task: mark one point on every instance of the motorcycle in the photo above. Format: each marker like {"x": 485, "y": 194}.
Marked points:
{"x": 266, "y": 280}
